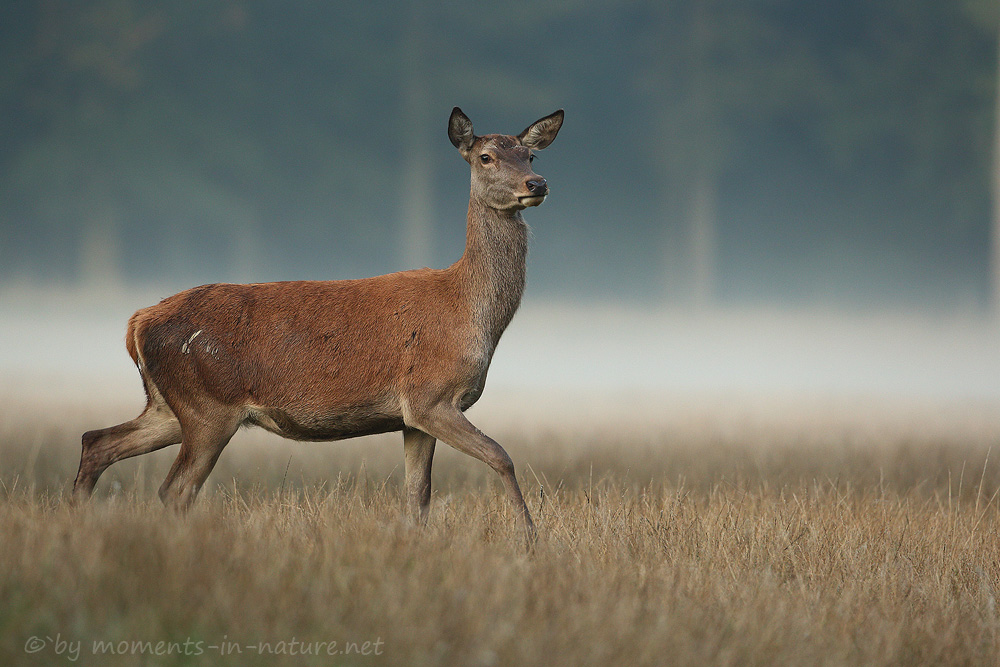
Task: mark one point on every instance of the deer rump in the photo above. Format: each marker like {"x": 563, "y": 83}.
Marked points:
{"x": 310, "y": 360}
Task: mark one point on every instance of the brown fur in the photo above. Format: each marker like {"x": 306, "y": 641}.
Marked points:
{"x": 326, "y": 360}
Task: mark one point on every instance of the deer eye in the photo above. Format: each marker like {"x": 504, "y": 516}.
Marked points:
{"x": 485, "y": 159}
{"x": 531, "y": 158}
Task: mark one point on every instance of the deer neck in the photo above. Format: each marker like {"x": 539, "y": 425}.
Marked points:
{"x": 492, "y": 267}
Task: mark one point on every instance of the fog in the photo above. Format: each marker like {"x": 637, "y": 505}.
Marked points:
{"x": 747, "y": 198}
{"x": 71, "y": 346}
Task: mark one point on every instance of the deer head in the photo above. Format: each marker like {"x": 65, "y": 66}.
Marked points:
{"x": 502, "y": 177}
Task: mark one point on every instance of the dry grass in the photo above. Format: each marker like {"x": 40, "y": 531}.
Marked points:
{"x": 687, "y": 544}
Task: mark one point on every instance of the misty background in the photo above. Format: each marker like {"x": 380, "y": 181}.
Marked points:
{"x": 747, "y": 195}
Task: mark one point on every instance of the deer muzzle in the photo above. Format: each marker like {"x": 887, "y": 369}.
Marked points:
{"x": 537, "y": 188}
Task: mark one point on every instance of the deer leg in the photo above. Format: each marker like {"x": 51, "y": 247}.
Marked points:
{"x": 154, "y": 429}
{"x": 201, "y": 446}
{"x": 449, "y": 425}
{"x": 418, "y": 450}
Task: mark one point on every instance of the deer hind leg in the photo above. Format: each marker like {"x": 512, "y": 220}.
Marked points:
{"x": 418, "y": 450}
{"x": 154, "y": 429}
{"x": 201, "y": 445}
{"x": 448, "y": 424}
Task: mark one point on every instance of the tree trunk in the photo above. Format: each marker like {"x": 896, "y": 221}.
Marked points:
{"x": 702, "y": 210}
{"x": 417, "y": 178}
{"x": 246, "y": 261}
{"x": 100, "y": 251}
{"x": 995, "y": 193}
{"x": 702, "y": 220}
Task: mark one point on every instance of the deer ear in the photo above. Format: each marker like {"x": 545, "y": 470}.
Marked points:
{"x": 460, "y": 132}
{"x": 542, "y": 132}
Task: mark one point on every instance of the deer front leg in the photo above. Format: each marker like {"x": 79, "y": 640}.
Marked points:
{"x": 418, "y": 452}
{"x": 448, "y": 424}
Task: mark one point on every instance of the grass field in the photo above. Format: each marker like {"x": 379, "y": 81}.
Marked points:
{"x": 775, "y": 534}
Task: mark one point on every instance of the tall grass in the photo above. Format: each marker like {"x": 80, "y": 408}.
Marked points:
{"x": 683, "y": 544}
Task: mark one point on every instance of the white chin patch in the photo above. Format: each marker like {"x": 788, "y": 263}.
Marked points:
{"x": 531, "y": 201}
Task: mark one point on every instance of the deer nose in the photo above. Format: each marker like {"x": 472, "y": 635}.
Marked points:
{"x": 537, "y": 187}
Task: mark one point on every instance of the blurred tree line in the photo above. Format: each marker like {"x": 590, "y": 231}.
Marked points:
{"x": 714, "y": 151}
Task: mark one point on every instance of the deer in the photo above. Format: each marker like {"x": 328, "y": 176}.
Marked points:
{"x": 330, "y": 360}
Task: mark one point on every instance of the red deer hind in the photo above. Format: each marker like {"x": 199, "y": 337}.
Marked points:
{"x": 327, "y": 360}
